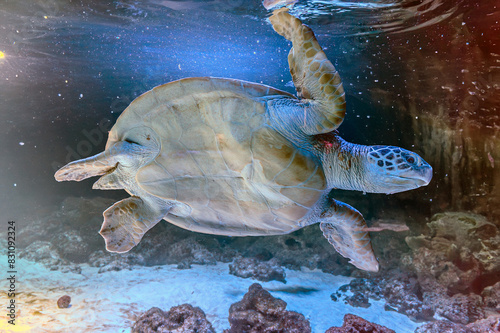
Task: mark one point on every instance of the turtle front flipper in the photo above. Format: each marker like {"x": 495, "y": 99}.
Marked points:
{"x": 316, "y": 80}
{"x": 126, "y": 222}
{"x": 344, "y": 227}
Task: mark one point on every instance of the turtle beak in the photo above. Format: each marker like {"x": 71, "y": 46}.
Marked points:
{"x": 419, "y": 176}
{"x": 426, "y": 173}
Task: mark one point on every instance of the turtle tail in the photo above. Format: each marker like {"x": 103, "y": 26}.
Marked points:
{"x": 314, "y": 76}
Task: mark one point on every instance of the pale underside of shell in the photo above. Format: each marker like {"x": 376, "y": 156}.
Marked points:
{"x": 219, "y": 155}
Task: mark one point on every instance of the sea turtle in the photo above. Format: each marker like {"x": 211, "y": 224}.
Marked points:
{"x": 235, "y": 158}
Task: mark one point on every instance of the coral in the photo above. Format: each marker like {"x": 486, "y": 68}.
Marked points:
{"x": 100, "y": 258}
{"x": 71, "y": 230}
{"x": 71, "y": 246}
{"x": 358, "y": 300}
{"x": 490, "y": 324}
{"x": 179, "y": 319}
{"x": 355, "y": 324}
{"x": 70, "y": 268}
{"x": 191, "y": 251}
{"x": 42, "y": 252}
{"x": 304, "y": 248}
{"x": 390, "y": 246}
{"x": 362, "y": 290}
{"x": 491, "y": 296}
{"x": 32, "y": 232}
{"x": 260, "y": 270}
{"x": 461, "y": 309}
{"x": 454, "y": 262}
{"x": 63, "y": 302}
{"x": 115, "y": 261}
{"x": 259, "y": 311}
{"x": 400, "y": 291}
{"x": 116, "y": 266}
{"x": 460, "y": 251}
{"x": 171, "y": 245}
{"x": 368, "y": 287}
{"x": 443, "y": 326}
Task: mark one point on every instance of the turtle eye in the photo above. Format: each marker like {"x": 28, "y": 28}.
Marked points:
{"x": 130, "y": 141}
{"x": 410, "y": 158}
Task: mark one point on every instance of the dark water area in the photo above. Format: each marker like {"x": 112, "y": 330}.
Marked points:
{"x": 422, "y": 75}
{"x": 69, "y": 66}
{"x": 79, "y": 67}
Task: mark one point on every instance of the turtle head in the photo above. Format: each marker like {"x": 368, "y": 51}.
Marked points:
{"x": 394, "y": 169}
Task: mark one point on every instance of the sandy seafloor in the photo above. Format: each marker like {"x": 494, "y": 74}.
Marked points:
{"x": 111, "y": 301}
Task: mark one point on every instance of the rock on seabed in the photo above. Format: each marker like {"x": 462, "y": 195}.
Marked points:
{"x": 259, "y": 311}
{"x": 179, "y": 319}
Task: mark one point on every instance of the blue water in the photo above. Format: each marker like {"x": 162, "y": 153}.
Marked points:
{"x": 68, "y": 69}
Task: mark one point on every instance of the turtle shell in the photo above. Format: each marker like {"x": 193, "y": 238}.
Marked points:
{"x": 219, "y": 155}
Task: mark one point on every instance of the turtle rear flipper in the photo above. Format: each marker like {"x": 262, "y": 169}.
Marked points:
{"x": 343, "y": 226}
{"x": 316, "y": 80}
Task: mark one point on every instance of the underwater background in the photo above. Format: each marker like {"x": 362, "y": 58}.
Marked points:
{"x": 423, "y": 75}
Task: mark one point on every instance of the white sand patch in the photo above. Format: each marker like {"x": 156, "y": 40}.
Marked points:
{"x": 111, "y": 301}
